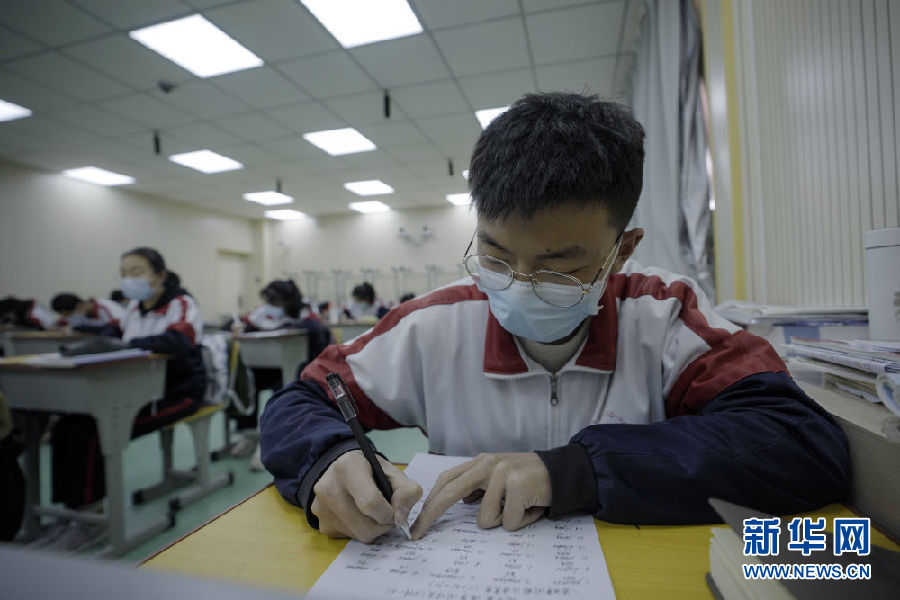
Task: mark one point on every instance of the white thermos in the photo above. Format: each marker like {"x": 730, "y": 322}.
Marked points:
{"x": 883, "y": 282}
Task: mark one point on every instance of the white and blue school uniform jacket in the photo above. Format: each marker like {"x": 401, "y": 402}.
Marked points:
{"x": 172, "y": 326}
{"x": 42, "y": 317}
{"x": 105, "y": 312}
{"x": 664, "y": 405}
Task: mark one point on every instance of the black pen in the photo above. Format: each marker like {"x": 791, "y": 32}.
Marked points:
{"x": 347, "y": 404}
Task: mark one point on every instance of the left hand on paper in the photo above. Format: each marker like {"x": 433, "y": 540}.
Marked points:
{"x": 514, "y": 489}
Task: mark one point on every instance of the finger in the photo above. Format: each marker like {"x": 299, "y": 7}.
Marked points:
{"x": 353, "y": 521}
{"x": 528, "y": 517}
{"x": 368, "y": 498}
{"x": 406, "y": 493}
{"x": 438, "y": 503}
{"x": 449, "y": 475}
{"x": 474, "y": 496}
{"x": 328, "y": 523}
{"x": 492, "y": 505}
{"x": 515, "y": 505}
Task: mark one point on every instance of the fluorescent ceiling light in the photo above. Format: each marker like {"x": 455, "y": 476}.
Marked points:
{"x": 268, "y": 198}
{"x": 198, "y": 46}
{"x": 487, "y": 115}
{"x": 358, "y": 22}
{"x": 370, "y": 206}
{"x": 465, "y": 174}
{"x": 285, "y": 215}
{"x": 11, "y": 112}
{"x": 372, "y": 187}
{"x": 206, "y": 161}
{"x": 459, "y": 199}
{"x": 339, "y": 141}
{"x": 99, "y": 176}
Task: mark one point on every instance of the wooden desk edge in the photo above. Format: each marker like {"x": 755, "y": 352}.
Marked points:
{"x": 204, "y": 524}
{"x": 17, "y": 363}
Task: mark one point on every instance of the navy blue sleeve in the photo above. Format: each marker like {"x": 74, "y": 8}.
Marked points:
{"x": 301, "y": 433}
{"x": 761, "y": 443}
{"x": 171, "y": 342}
{"x": 110, "y": 330}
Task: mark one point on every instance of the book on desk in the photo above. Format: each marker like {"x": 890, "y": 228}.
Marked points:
{"x": 56, "y": 360}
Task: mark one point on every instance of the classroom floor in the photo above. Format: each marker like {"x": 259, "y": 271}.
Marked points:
{"x": 142, "y": 462}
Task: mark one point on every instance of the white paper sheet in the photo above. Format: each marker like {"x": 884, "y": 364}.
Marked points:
{"x": 458, "y": 560}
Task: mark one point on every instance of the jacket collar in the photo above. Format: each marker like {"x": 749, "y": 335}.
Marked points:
{"x": 503, "y": 357}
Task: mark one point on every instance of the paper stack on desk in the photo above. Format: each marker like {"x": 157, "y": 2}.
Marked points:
{"x": 866, "y": 368}
{"x": 459, "y": 559}
{"x": 69, "y": 362}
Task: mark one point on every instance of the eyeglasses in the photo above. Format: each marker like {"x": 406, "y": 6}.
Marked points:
{"x": 554, "y": 288}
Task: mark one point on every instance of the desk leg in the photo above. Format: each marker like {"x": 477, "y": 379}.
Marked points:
{"x": 115, "y": 498}
{"x": 34, "y": 427}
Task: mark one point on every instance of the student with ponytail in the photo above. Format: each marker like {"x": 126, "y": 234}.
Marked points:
{"x": 164, "y": 318}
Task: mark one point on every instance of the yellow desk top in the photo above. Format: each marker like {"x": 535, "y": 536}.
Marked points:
{"x": 266, "y": 541}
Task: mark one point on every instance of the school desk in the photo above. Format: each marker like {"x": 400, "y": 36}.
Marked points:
{"x": 281, "y": 349}
{"x": 346, "y": 332}
{"x": 111, "y": 392}
{"x": 16, "y": 343}
{"x": 266, "y": 541}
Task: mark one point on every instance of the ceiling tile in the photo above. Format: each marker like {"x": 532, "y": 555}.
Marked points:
{"x": 326, "y": 75}
{"x": 393, "y": 133}
{"x": 484, "y": 47}
{"x": 595, "y": 76}
{"x": 250, "y": 155}
{"x": 406, "y": 60}
{"x": 204, "y": 100}
{"x": 253, "y": 126}
{"x": 291, "y": 147}
{"x": 450, "y": 126}
{"x": 497, "y": 89}
{"x": 436, "y": 14}
{"x": 12, "y": 44}
{"x": 100, "y": 121}
{"x": 121, "y": 57}
{"x": 589, "y": 31}
{"x": 368, "y": 160}
{"x": 417, "y": 153}
{"x": 40, "y": 132}
{"x": 623, "y": 70}
{"x": 135, "y": 14}
{"x": 304, "y": 118}
{"x": 148, "y": 110}
{"x": 261, "y": 87}
{"x": 52, "y": 22}
{"x": 273, "y": 29}
{"x": 537, "y": 5}
{"x": 364, "y": 109}
{"x": 430, "y": 99}
{"x": 204, "y": 135}
{"x": 61, "y": 72}
{"x": 24, "y": 92}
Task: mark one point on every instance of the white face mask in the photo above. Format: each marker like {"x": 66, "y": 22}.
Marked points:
{"x": 522, "y": 313}
{"x": 137, "y": 288}
{"x": 272, "y": 312}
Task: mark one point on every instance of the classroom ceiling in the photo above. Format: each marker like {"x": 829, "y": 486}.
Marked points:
{"x": 96, "y": 101}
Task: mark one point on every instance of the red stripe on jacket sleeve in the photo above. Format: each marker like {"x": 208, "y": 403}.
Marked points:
{"x": 740, "y": 355}
{"x": 334, "y": 357}
{"x": 182, "y": 324}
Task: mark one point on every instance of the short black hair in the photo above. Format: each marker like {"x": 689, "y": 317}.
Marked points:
{"x": 556, "y": 148}
{"x": 364, "y": 291}
{"x": 64, "y": 301}
{"x": 286, "y": 294}
{"x": 117, "y": 295}
{"x": 157, "y": 262}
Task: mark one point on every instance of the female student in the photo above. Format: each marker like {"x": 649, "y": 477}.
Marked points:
{"x": 363, "y": 304}
{"x": 161, "y": 317}
{"x": 91, "y": 315}
{"x": 283, "y": 307}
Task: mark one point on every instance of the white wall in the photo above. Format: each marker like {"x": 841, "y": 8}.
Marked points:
{"x": 819, "y": 86}
{"x": 60, "y": 234}
{"x": 351, "y": 242}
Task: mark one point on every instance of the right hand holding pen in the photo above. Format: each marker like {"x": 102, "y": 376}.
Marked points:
{"x": 348, "y": 503}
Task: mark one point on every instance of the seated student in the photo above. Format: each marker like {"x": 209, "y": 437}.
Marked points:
{"x": 162, "y": 317}
{"x": 283, "y": 307}
{"x": 90, "y": 315}
{"x": 363, "y": 304}
{"x": 27, "y": 314}
{"x": 582, "y": 380}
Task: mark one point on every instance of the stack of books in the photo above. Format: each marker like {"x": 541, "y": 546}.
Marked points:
{"x": 869, "y": 369}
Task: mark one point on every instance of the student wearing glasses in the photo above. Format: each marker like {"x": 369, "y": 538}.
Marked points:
{"x": 579, "y": 380}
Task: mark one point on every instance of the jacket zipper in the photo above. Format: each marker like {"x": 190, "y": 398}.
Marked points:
{"x": 554, "y": 398}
